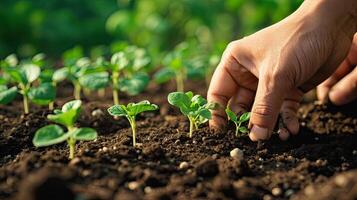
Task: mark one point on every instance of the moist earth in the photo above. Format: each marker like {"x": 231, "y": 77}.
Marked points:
{"x": 318, "y": 163}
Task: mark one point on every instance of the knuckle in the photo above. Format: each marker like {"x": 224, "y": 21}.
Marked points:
{"x": 263, "y": 110}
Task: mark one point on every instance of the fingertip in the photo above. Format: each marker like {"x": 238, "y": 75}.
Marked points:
{"x": 283, "y": 134}
{"x": 258, "y": 133}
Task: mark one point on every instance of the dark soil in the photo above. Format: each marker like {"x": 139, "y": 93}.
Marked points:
{"x": 319, "y": 163}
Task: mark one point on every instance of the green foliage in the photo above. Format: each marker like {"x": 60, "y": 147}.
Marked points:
{"x": 7, "y": 94}
{"x": 130, "y": 111}
{"x": 129, "y": 69}
{"x": 195, "y": 107}
{"x": 238, "y": 121}
{"x": 186, "y": 61}
{"x": 44, "y": 94}
{"x": 54, "y": 134}
{"x": 24, "y": 76}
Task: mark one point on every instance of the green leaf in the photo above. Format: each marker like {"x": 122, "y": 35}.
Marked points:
{"x": 7, "y": 95}
{"x": 43, "y": 94}
{"x": 84, "y": 134}
{"x": 11, "y": 60}
{"x": 60, "y": 74}
{"x": 164, "y": 75}
{"x": 118, "y": 110}
{"x": 135, "y": 84}
{"x": 75, "y": 104}
{"x": 67, "y": 118}
{"x": 179, "y": 99}
{"x": 199, "y": 100}
{"x": 32, "y": 72}
{"x": 142, "y": 106}
{"x": 231, "y": 115}
{"x": 95, "y": 81}
{"x": 244, "y": 117}
{"x": 205, "y": 113}
{"x": 119, "y": 61}
{"x": 243, "y": 129}
{"x": 49, "y": 135}
{"x": 17, "y": 75}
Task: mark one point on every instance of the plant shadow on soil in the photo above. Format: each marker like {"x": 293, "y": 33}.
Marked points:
{"x": 319, "y": 163}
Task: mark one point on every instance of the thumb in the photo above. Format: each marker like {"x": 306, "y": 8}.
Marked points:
{"x": 268, "y": 101}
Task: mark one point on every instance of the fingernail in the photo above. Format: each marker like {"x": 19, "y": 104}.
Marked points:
{"x": 258, "y": 133}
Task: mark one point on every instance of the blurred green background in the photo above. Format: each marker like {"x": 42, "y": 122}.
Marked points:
{"x": 53, "y": 26}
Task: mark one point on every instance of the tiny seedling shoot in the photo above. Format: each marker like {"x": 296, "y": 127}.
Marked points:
{"x": 54, "y": 134}
{"x": 238, "y": 121}
{"x": 131, "y": 111}
{"x": 194, "y": 107}
{"x": 24, "y": 76}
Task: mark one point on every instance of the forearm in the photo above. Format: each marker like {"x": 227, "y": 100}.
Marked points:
{"x": 336, "y": 14}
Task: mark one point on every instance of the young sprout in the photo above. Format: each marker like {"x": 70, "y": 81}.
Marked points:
{"x": 130, "y": 111}
{"x": 184, "y": 62}
{"x": 195, "y": 107}
{"x": 174, "y": 68}
{"x": 24, "y": 76}
{"x": 129, "y": 71}
{"x": 54, "y": 134}
{"x": 238, "y": 121}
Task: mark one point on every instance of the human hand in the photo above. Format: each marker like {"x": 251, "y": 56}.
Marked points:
{"x": 270, "y": 70}
{"x": 341, "y": 86}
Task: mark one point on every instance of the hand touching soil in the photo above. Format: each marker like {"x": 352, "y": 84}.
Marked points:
{"x": 269, "y": 71}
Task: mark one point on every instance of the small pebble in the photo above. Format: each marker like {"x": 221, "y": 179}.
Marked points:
{"x": 115, "y": 147}
{"x": 237, "y": 154}
{"x": 267, "y": 197}
{"x": 105, "y": 149}
{"x": 133, "y": 185}
{"x": 184, "y": 165}
{"x": 341, "y": 181}
{"x": 316, "y": 139}
{"x": 86, "y": 172}
{"x": 147, "y": 189}
{"x": 354, "y": 152}
{"x": 276, "y": 191}
{"x": 194, "y": 142}
{"x": 309, "y": 190}
{"x": 97, "y": 113}
{"x": 289, "y": 192}
{"x": 215, "y": 156}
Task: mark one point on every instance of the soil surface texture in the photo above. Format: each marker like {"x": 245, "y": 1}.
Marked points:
{"x": 318, "y": 163}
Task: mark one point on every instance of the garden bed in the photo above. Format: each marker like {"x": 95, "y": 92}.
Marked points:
{"x": 319, "y": 163}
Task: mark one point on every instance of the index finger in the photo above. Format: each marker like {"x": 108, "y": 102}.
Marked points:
{"x": 222, "y": 87}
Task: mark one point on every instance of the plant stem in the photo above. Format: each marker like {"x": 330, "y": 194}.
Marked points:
{"x": 133, "y": 128}
{"x": 115, "y": 81}
{"x": 51, "y": 105}
{"x": 191, "y": 127}
{"x": 179, "y": 82}
{"x": 72, "y": 145}
{"x": 237, "y": 128}
{"x": 26, "y": 104}
{"x": 77, "y": 91}
{"x": 101, "y": 93}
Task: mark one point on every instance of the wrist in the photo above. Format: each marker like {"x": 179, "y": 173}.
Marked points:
{"x": 339, "y": 15}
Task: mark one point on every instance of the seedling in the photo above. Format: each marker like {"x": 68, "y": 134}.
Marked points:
{"x": 24, "y": 76}
{"x": 174, "y": 68}
{"x": 128, "y": 71}
{"x": 54, "y": 134}
{"x": 131, "y": 111}
{"x": 238, "y": 121}
{"x": 195, "y": 107}
{"x": 181, "y": 64}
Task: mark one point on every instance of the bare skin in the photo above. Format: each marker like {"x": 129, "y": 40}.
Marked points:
{"x": 269, "y": 71}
